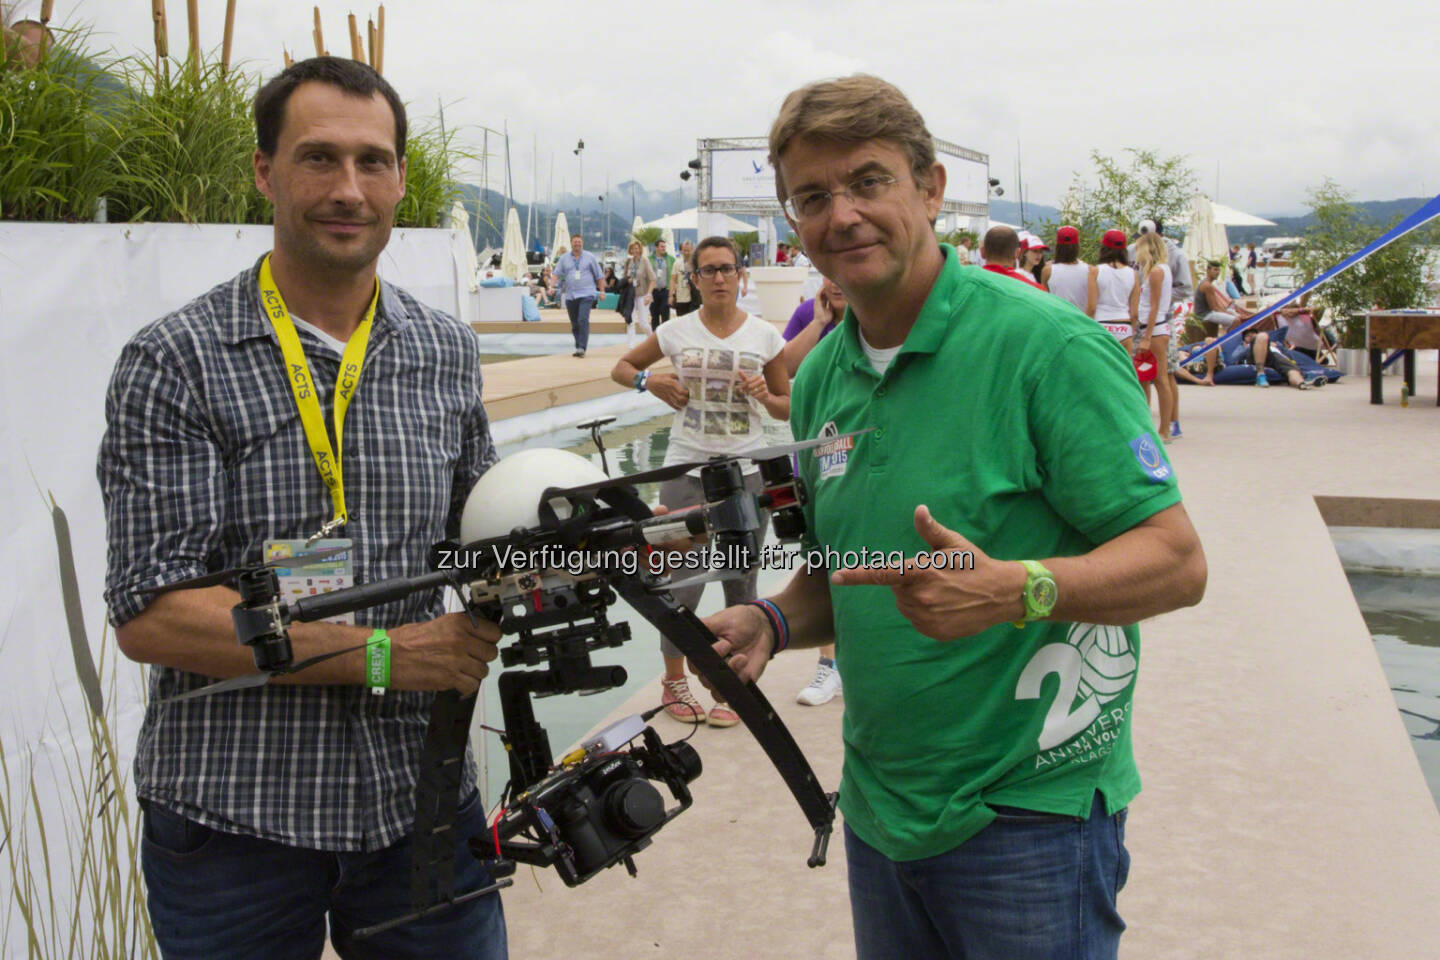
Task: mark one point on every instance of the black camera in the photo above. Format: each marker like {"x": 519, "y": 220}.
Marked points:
{"x": 596, "y": 811}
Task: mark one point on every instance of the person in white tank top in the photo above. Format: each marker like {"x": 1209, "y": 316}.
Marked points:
{"x": 1068, "y": 276}
{"x": 1152, "y": 332}
{"x": 1112, "y": 297}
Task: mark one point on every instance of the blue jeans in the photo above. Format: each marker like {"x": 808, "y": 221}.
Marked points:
{"x": 218, "y": 896}
{"x": 1030, "y": 886}
{"x": 580, "y": 320}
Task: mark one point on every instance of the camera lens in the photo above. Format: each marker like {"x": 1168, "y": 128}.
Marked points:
{"x": 633, "y": 808}
{"x": 686, "y": 758}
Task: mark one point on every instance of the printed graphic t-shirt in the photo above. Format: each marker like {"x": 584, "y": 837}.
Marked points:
{"x": 1020, "y": 424}
{"x": 721, "y": 418}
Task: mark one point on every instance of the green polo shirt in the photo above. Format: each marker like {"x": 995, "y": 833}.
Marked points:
{"x": 1021, "y": 424}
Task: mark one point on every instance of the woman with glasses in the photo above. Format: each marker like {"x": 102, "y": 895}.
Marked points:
{"x": 728, "y": 371}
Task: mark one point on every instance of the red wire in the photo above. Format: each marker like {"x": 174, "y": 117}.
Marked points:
{"x": 495, "y": 829}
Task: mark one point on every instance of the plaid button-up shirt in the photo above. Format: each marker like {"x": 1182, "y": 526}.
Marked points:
{"x": 204, "y": 458}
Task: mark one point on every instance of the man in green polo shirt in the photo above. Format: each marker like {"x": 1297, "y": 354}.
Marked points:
{"x": 1011, "y": 457}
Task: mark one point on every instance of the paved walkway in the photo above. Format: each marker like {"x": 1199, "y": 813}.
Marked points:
{"x": 1284, "y": 814}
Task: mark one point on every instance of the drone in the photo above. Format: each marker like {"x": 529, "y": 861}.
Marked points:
{"x": 546, "y": 568}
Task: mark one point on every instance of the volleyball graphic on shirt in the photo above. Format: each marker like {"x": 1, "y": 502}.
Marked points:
{"x": 1107, "y": 660}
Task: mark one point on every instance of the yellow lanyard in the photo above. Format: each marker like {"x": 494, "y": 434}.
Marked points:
{"x": 327, "y": 459}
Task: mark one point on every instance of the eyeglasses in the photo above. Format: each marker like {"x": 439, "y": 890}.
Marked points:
{"x": 726, "y": 270}
{"x": 816, "y": 203}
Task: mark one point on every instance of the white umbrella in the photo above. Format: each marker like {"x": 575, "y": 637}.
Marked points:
{"x": 1204, "y": 236}
{"x": 690, "y": 220}
{"x": 636, "y": 227}
{"x": 668, "y": 237}
{"x": 562, "y": 237}
{"x": 470, "y": 265}
{"x": 1230, "y": 217}
{"x": 512, "y": 260}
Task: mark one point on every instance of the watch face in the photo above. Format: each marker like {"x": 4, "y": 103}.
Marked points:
{"x": 1042, "y": 595}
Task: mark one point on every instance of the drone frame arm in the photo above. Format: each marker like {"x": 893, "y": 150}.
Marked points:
{"x": 684, "y": 629}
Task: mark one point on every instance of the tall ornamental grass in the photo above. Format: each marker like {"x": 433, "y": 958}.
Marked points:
{"x": 160, "y": 145}
{"x": 184, "y": 146}
{"x": 56, "y": 134}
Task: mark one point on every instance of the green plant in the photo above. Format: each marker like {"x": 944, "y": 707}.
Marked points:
{"x": 430, "y": 185}
{"x": 95, "y": 872}
{"x": 1119, "y": 195}
{"x": 647, "y": 236}
{"x": 184, "y": 146}
{"x": 56, "y": 136}
{"x": 744, "y": 239}
{"x": 1392, "y": 278}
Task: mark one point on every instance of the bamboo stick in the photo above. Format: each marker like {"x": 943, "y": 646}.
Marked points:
{"x": 289, "y": 61}
{"x": 162, "y": 40}
{"x": 356, "y": 51}
{"x": 319, "y": 35}
{"x": 229, "y": 36}
{"x": 192, "y": 9}
{"x": 370, "y": 31}
{"x": 46, "y": 9}
{"x": 380, "y": 42}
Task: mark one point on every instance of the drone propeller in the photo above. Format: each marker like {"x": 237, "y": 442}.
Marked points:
{"x": 674, "y": 470}
{"x": 263, "y": 677}
{"x": 212, "y": 579}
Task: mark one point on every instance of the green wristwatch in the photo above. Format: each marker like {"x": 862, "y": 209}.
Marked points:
{"x": 1039, "y": 592}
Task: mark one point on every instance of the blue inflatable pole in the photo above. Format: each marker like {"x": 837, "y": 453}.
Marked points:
{"x": 1419, "y": 218}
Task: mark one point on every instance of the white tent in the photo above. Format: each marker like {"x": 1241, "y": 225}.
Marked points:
{"x": 512, "y": 260}
{"x": 690, "y": 220}
{"x": 1230, "y": 217}
{"x": 668, "y": 237}
{"x": 636, "y": 227}
{"x": 561, "y": 242}
{"x": 1205, "y": 237}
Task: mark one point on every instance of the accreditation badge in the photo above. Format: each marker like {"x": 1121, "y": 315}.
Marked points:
{"x": 307, "y": 580}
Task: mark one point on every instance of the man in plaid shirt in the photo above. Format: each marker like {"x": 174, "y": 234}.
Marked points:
{"x": 270, "y": 807}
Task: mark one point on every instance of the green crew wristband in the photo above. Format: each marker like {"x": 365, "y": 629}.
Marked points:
{"x": 377, "y": 662}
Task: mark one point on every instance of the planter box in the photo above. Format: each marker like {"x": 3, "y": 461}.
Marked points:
{"x": 1355, "y": 363}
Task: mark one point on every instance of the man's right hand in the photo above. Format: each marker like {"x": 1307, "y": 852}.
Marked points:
{"x": 447, "y": 653}
{"x": 668, "y": 387}
{"x": 743, "y": 635}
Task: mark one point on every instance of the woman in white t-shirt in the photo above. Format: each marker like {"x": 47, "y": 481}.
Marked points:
{"x": 728, "y": 370}
{"x": 1153, "y": 329}
{"x": 1112, "y": 296}
{"x": 1068, "y": 276}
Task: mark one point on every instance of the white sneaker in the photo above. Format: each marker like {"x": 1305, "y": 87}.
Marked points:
{"x": 822, "y": 689}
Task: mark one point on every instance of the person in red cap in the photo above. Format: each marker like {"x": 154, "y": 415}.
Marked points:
{"x": 1032, "y": 257}
{"x": 1068, "y": 277}
{"x": 1112, "y": 297}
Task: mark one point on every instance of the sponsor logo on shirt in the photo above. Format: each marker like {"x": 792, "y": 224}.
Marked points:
{"x": 835, "y": 455}
{"x": 1151, "y": 460}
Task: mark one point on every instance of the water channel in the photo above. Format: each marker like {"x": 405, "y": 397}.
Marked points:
{"x": 1395, "y": 576}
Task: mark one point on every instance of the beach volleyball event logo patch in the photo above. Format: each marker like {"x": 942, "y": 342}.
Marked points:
{"x": 1095, "y": 665}
{"x": 834, "y": 456}
{"x": 1151, "y": 460}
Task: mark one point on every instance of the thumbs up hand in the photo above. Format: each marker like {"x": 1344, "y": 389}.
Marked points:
{"x": 956, "y": 590}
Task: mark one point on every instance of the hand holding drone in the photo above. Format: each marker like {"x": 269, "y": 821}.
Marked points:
{"x": 546, "y": 567}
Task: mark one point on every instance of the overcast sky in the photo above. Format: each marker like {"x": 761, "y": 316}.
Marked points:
{"x": 1265, "y": 98}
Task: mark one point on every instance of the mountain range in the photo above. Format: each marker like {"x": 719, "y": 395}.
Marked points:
{"x": 630, "y": 199}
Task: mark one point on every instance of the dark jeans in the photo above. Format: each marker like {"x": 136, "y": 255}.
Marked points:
{"x": 580, "y": 320}
{"x": 1030, "y": 886}
{"x": 221, "y": 896}
{"x": 660, "y": 306}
